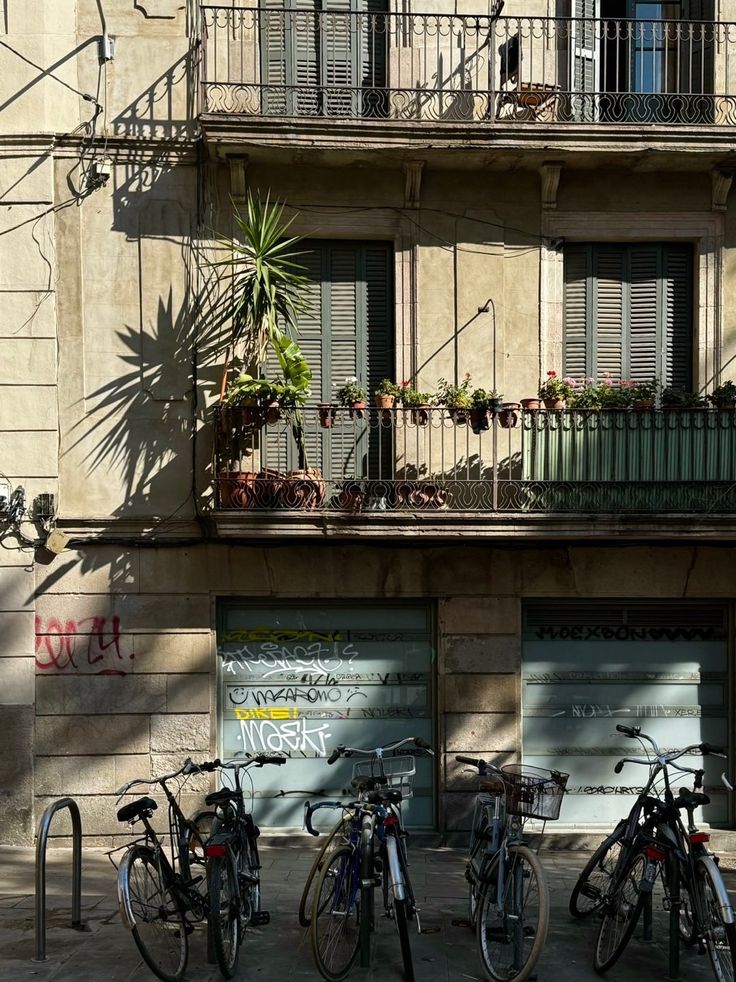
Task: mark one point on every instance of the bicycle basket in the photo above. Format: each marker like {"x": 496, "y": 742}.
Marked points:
{"x": 398, "y": 772}
{"x": 533, "y": 792}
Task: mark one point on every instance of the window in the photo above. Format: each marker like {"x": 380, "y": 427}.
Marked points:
{"x": 628, "y": 311}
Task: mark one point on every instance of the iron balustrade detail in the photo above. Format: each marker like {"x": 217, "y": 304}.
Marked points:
{"x": 452, "y": 68}
{"x": 567, "y": 462}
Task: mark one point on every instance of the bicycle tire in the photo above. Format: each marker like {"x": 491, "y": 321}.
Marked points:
{"x": 159, "y": 930}
{"x": 719, "y": 937}
{"x": 192, "y": 858}
{"x": 621, "y": 911}
{"x": 367, "y": 893}
{"x": 402, "y": 926}
{"x": 334, "y": 895}
{"x": 502, "y": 934}
{"x": 594, "y": 881}
{"x": 224, "y": 912}
{"x": 305, "y": 919}
{"x": 250, "y": 885}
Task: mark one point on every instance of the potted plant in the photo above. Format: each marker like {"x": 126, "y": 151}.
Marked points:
{"x": 352, "y": 395}
{"x": 386, "y": 394}
{"x": 585, "y": 395}
{"x": 456, "y": 399}
{"x": 644, "y": 395}
{"x": 531, "y": 404}
{"x": 614, "y": 395}
{"x": 555, "y": 391}
{"x": 418, "y": 403}
{"x": 509, "y": 415}
{"x": 495, "y": 402}
{"x": 723, "y": 396}
{"x": 479, "y": 406}
{"x": 249, "y": 396}
{"x": 673, "y": 397}
{"x": 327, "y": 413}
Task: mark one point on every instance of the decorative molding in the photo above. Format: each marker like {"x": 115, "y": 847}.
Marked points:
{"x": 238, "y": 177}
{"x": 721, "y": 179}
{"x": 412, "y": 182}
{"x": 550, "y": 172}
{"x": 159, "y": 9}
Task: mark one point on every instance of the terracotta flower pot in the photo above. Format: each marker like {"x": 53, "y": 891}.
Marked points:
{"x": 384, "y": 401}
{"x": 420, "y": 414}
{"x": 273, "y": 412}
{"x": 357, "y": 409}
{"x": 327, "y": 413}
{"x": 554, "y": 404}
{"x": 531, "y": 403}
{"x": 303, "y": 489}
{"x": 643, "y": 405}
{"x": 726, "y": 405}
{"x": 509, "y": 415}
{"x": 421, "y": 495}
{"x": 351, "y": 498}
{"x": 459, "y": 414}
{"x": 238, "y": 489}
{"x": 479, "y": 420}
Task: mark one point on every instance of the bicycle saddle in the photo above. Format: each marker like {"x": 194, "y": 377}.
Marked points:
{"x": 691, "y": 799}
{"x": 136, "y": 808}
{"x": 221, "y": 797}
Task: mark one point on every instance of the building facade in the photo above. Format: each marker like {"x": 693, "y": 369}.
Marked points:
{"x": 505, "y": 191}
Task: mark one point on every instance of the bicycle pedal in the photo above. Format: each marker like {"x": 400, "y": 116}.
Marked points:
{"x": 260, "y": 917}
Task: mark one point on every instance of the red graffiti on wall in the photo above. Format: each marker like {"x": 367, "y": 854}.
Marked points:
{"x": 69, "y": 646}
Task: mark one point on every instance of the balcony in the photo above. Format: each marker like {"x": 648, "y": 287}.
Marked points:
{"x": 412, "y": 73}
{"x": 529, "y": 473}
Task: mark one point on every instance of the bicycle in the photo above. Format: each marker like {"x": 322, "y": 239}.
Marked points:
{"x": 657, "y": 845}
{"x": 342, "y": 916}
{"x": 160, "y": 900}
{"x": 233, "y": 878}
{"x": 508, "y": 893}
{"x": 338, "y": 835}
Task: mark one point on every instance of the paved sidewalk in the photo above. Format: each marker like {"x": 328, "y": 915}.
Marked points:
{"x": 105, "y": 952}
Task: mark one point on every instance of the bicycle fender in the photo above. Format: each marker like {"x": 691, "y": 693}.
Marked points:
{"x": 124, "y": 905}
{"x": 724, "y": 901}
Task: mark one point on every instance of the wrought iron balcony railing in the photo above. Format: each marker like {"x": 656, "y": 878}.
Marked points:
{"x": 452, "y": 68}
{"x": 574, "y": 461}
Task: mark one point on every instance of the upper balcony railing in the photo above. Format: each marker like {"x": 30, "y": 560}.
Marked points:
{"x": 652, "y": 463}
{"x": 465, "y": 69}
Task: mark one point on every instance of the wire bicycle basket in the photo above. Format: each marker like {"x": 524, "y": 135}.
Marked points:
{"x": 396, "y": 773}
{"x": 533, "y": 792}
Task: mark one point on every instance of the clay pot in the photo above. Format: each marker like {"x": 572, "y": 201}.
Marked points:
{"x": 238, "y": 489}
{"x": 351, "y": 498}
{"x": 384, "y": 402}
{"x": 554, "y": 404}
{"x": 420, "y": 414}
{"x": 327, "y": 413}
{"x": 479, "y": 420}
{"x": 726, "y": 405}
{"x": 422, "y": 495}
{"x": 273, "y": 412}
{"x": 459, "y": 414}
{"x": 509, "y": 415}
{"x": 303, "y": 489}
{"x": 531, "y": 404}
{"x": 357, "y": 409}
{"x": 643, "y": 405}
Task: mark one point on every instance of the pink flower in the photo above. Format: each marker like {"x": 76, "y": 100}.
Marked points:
{"x": 569, "y": 380}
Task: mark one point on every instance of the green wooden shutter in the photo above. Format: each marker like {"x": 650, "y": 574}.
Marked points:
{"x": 644, "y": 351}
{"x": 274, "y": 58}
{"x": 576, "y": 315}
{"x": 584, "y": 60}
{"x": 610, "y": 314}
{"x": 290, "y": 57}
{"x": 677, "y": 315}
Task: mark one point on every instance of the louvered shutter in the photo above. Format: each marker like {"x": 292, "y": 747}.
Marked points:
{"x": 609, "y": 311}
{"x": 576, "y": 315}
{"x": 644, "y": 353}
{"x": 697, "y": 59}
{"x": 274, "y": 58}
{"x": 340, "y": 50}
{"x": 677, "y": 343}
{"x": 290, "y": 57}
{"x": 379, "y": 345}
{"x": 584, "y": 61}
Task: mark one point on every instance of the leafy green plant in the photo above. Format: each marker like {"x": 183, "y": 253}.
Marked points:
{"x": 350, "y": 392}
{"x": 723, "y": 393}
{"x": 555, "y": 387}
{"x": 453, "y": 396}
{"x": 645, "y": 391}
{"x": 388, "y": 388}
{"x": 248, "y": 391}
{"x": 411, "y": 398}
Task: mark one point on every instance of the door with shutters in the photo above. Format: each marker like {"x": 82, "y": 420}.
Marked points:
{"x": 584, "y": 61}
{"x": 628, "y": 312}
{"x": 590, "y": 665}
{"x": 324, "y": 57}
{"x": 347, "y": 331}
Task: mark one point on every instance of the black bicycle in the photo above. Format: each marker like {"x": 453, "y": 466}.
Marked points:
{"x": 161, "y": 900}
{"x": 233, "y": 873}
{"x": 656, "y": 845}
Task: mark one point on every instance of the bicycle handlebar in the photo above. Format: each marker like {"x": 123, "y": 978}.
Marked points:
{"x": 309, "y": 810}
{"x": 706, "y": 749}
{"x": 258, "y": 760}
{"x": 342, "y": 751}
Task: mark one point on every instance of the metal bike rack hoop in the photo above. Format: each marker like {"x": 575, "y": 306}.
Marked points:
{"x": 41, "y": 842}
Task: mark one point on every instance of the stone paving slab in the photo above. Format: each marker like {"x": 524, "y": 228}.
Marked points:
{"x": 105, "y": 952}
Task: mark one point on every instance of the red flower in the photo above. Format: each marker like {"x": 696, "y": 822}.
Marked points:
{"x": 405, "y": 383}
{"x": 551, "y": 374}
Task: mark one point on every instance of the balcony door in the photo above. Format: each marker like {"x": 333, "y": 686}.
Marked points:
{"x": 628, "y": 312}
{"x": 324, "y": 57}
{"x": 347, "y": 331}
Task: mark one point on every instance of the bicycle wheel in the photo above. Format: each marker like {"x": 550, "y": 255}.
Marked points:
{"x": 402, "y": 925}
{"x": 367, "y": 892}
{"x": 621, "y": 910}
{"x": 512, "y": 926}
{"x": 402, "y": 906}
{"x": 250, "y": 881}
{"x": 335, "y": 933}
{"x": 193, "y": 861}
{"x": 159, "y": 928}
{"x": 224, "y": 912}
{"x": 339, "y": 832}
{"x": 719, "y": 937}
{"x": 595, "y": 880}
